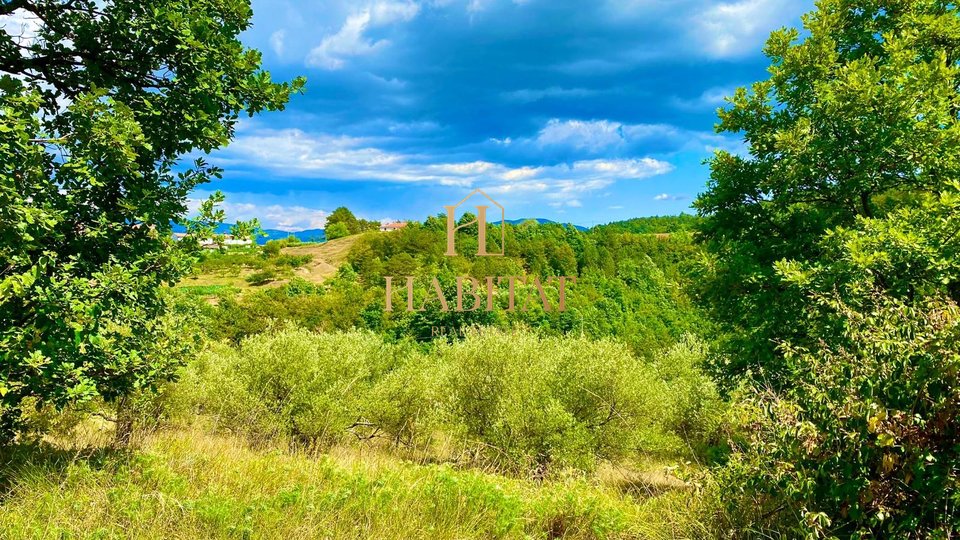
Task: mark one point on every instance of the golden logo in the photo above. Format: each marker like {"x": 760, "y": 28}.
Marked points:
{"x": 481, "y": 222}
{"x": 482, "y": 291}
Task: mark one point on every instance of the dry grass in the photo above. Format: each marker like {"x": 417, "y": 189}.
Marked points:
{"x": 191, "y": 484}
{"x": 327, "y": 257}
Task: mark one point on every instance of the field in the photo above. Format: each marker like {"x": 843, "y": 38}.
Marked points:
{"x": 190, "y": 484}
{"x": 266, "y": 441}
{"x": 315, "y": 262}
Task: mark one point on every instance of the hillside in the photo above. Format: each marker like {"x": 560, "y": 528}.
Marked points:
{"x": 327, "y": 257}
{"x": 239, "y": 268}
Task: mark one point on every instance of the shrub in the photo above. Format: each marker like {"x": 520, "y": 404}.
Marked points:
{"x": 262, "y": 277}
{"x": 533, "y": 402}
{"x": 272, "y": 248}
{"x": 313, "y": 388}
{"x": 527, "y": 402}
{"x": 866, "y": 443}
{"x": 337, "y": 230}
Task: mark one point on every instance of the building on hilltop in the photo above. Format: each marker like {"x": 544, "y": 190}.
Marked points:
{"x": 395, "y": 226}
{"x": 207, "y": 243}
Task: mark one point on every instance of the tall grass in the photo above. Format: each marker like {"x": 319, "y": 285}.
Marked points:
{"x": 189, "y": 484}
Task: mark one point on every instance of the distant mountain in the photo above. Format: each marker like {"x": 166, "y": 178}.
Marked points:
{"x": 309, "y": 235}
{"x": 318, "y": 235}
{"x": 656, "y": 224}
{"x": 543, "y": 221}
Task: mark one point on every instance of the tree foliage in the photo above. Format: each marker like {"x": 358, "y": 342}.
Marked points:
{"x": 98, "y": 108}
{"x": 343, "y": 216}
{"x": 834, "y": 269}
{"x": 336, "y": 230}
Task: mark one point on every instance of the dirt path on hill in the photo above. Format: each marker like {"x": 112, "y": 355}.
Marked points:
{"x": 327, "y": 258}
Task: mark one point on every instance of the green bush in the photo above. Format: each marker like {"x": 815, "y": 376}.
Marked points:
{"x": 515, "y": 400}
{"x": 272, "y": 248}
{"x": 337, "y": 230}
{"x": 534, "y": 402}
{"x": 311, "y": 387}
{"x": 262, "y": 277}
{"x": 292, "y": 261}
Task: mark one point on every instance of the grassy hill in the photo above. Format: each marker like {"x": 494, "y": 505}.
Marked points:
{"x": 314, "y": 262}
{"x": 304, "y": 410}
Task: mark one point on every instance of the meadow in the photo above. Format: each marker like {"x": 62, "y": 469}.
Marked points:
{"x": 302, "y": 424}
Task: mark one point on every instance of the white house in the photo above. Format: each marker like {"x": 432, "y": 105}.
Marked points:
{"x": 395, "y": 226}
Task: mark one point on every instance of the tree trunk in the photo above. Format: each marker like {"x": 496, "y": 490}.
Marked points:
{"x": 124, "y": 426}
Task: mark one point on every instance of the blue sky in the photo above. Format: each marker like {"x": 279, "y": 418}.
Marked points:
{"x": 583, "y": 112}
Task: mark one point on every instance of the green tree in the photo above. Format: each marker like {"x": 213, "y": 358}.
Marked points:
{"x": 857, "y": 119}
{"x": 248, "y": 230}
{"x": 344, "y": 216}
{"x": 835, "y": 269}
{"x": 337, "y": 230}
{"x": 364, "y": 225}
{"x": 98, "y": 110}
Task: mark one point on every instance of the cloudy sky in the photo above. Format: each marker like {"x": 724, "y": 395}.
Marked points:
{"x": 583, "y": 112}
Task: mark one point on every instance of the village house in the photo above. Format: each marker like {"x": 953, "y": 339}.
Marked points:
{"x": 395, "y": 226}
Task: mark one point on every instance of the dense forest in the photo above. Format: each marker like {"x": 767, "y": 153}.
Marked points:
{"x": 628, "y": 285}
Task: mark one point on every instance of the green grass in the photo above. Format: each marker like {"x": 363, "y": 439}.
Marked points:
{"x": 190, "y": 484}
{"x": 208, "y": 289}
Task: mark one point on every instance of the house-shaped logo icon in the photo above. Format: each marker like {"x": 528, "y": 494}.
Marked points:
{"x": 481, "y": 222}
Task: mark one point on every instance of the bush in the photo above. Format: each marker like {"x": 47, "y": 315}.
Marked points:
{"x": 292, "y": 261}
{"x": 313, "y": 388}
{"x": 533, "y": 402}
{"x": 518, "y": 401}
{"x": 262, "y": 277}
{"x": 337, "y": 230}
{"x": 272, "y": 248}
{"x": 865, "y": 444}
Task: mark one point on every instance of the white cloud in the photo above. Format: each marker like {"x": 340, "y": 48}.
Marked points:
{"x": 529, "y": 95}
{"x": 668, "y": 197}
{"x": 271, "y": 216}
{"x": 602, "y": 137}
{"x": 476, "y": 6}
{"x": 711, "y": 98}
{"x": 292, "y": 152}
{"x": 21, "y": 25}
{"x": 350, "y": 40}
{"x": 277, "y": 41}
{"x": 735, "y": 29}
{"x": 591, "y": 135}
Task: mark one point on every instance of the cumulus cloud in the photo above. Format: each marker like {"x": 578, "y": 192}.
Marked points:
{"x": 293, "y": 152}
{"x": 277, "y": 41}
{"x": 582, "y": 139}
{"x": 733, "y": 29}
{"x": 271, "y": 216}
{"x": 351, "y": 41}
{"x": 592, "y": 135}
